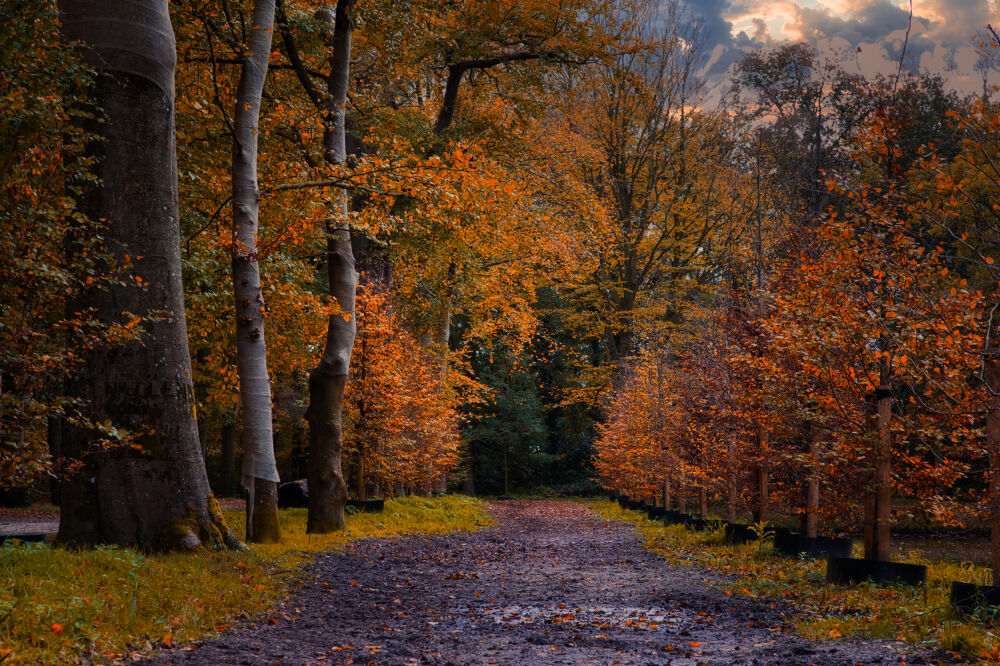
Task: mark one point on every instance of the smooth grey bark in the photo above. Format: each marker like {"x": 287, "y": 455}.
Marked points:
{"x": 154, "y": 495}
{"x": 327, "y": 488}
{"x": 260, "y": 473}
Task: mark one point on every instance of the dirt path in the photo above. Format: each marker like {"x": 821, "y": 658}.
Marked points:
{"x": 549, "y": 584}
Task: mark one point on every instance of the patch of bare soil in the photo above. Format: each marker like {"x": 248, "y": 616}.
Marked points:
{"x": 550, "y": 583}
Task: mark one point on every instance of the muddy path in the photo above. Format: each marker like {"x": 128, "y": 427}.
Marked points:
{"x": 550, "y": 583}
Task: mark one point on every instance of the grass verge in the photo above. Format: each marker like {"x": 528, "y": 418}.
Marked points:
{"x": 921, "y": 616}
{"x": 113, "y": 604}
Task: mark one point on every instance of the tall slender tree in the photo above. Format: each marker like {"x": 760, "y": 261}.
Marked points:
{"x": 153, "y": 492}
{"x": 260, "y": 473}
{"x": 327, "y": 488}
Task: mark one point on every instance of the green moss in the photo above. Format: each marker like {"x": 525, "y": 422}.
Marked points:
{"x": 180, "y": 533}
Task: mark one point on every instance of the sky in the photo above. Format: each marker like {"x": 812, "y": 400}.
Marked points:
{"x": 864, "y": 36}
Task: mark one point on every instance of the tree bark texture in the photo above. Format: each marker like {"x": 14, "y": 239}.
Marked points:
{"x": 228, "y": 460}
{"x": 733, "y": 491}
{"x": 327, "y": 488}
{"x": 810, "y": 517}
{"x": 259, "y": 467}
{"x": 762, "y": 504}
{"x": 153, "y": 495}
{"x": 878, "y": 501}
{"x": 992, "y": 377}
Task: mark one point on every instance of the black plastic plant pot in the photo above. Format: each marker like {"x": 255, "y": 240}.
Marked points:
{"x": 780, "y": 532}
{"x": 366, "y": 506}
{"x": 737, "y": 533}
{"x": 787, "y": 542}
{"x": 38, "y": 537}
{"x": 673, "y": 517}
{"x": 848, "y": 570}
{"x": 696, "y": 524}
{"x": 968, "y": 597}
{"x": 655, "y": 512}
{"x": 824, "y": 547}
{"x": 790, "y": 543}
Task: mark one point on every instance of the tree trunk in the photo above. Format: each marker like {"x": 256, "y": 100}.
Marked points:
{"x": 762, "y": 507}
{"x": 666, "y": 494}
{"x": 810, "y": 518}
{"x": 682, "y": 495}
{"x": 878, "y": 501}
{"x": 883, "y": 477}
{"x": 154, "y": 495}
{"x": 703, "y": 502}
{"x": 359, "y": 479}
{"x": 992, "y": 377}
{"x": 259, "y": 468}
{"x": 762, "y": 492}
{"x": 54, "y": 437}
{"x": 733, "y": 491}
{"x": 327, "y": 488}
{"x": 228, "y": 463}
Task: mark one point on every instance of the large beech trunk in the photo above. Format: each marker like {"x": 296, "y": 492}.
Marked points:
{"x": 154, "y": 495}
{"x": 327, "y": 489}
{"x": 992, "y": 377}
{"x": 260, "y": 473}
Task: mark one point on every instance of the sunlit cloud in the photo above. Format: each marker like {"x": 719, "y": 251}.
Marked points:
{"x": 865, "y": 36}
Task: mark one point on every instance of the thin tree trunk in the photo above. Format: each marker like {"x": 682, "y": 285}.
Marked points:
{"x": 260, "y": 472}
{"x": 992, "y": 377}
{"x": 682, "y": 495}
{"x": 359, "y": 479}
{"x": 228, "y": 436}
{"x": 506, "y": 485}
{"x": 868, "y": 503}
{"x": 878, "y": 500}
{"x": 327, "y": 488}
{"x": 733, "y": 491}
{"x": 156, "y": 497}
{"x": 810, "y": 519}
{"x": 760, "y": 477}
{"x": 54, "y": 437}
{"x": 666, "y": 494}
{"x": 762, "y": 492}
{"x": 703, "y": 502}
{"x": 883, "y": 477}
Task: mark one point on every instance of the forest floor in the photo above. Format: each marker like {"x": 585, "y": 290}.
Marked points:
{"x": 549, "y": 583}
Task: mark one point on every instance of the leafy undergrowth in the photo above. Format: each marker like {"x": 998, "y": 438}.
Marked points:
{"x": 114, "y": 604}
{"x": 826, "y": 611}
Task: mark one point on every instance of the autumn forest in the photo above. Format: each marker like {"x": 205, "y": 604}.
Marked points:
{"x": 279, "y": 275}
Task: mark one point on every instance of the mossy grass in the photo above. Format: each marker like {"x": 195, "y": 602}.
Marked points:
{"x": 111, "y": 604}
{"x": 824, "y": 611}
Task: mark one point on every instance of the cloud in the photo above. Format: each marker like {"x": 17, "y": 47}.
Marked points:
{"x": 941, "y": 40}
